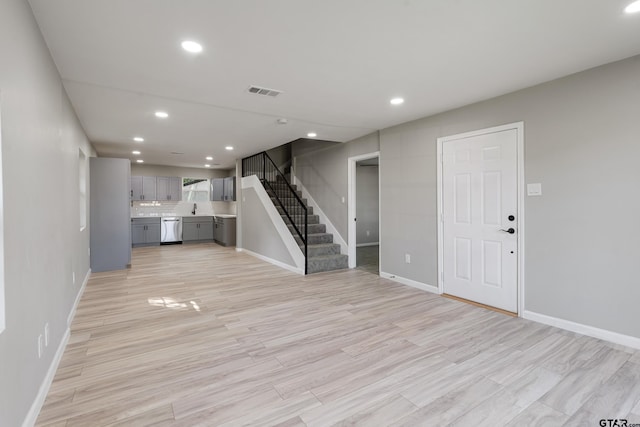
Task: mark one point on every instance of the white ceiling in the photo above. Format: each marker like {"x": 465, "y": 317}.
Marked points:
{"x": 338, "y": 63}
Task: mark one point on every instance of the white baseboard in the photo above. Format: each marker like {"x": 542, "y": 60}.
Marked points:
{"x": 34, "y": 411}
{"x": 72, "y": 313}
{"x": 579, "y": 328}
{"x": 409, "y": 282}
{"x": 362, "y": 245}
{"x": 272, "y": 261}
{"x": 36, "y": 406}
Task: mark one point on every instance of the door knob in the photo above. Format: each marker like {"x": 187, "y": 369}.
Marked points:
{"x": 510, "y": 231}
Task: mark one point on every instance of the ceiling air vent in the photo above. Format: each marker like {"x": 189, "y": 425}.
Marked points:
{"x": 264, "y": 91}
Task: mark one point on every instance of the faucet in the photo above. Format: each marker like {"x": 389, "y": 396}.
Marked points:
{"x": 194, "y": 208}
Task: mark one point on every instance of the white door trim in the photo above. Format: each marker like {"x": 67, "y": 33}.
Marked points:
{"x": 351, "y": 207}
{"x": 519, "y": 127}
{"x": 3, "y": 322}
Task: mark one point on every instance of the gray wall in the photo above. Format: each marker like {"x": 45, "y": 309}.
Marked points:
{"x": 43, "y": 242}
{"x": 281, "y": 156}
{"x": 303, "y": 146}
{"x": 258, "y": 233}
{"x": 367, "y": 204}
{"x": 581, "y": 143}
{"x": 324, "y": 175}
{"x": 160, "y": 170}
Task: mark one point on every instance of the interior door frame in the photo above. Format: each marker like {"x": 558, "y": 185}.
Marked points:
{"x": 519, "y": 127}
{"x": 3, "y": 323}
{"x": 351, "y": 207}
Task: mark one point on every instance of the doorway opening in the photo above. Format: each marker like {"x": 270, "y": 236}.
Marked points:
{"x": 364, "y": 212}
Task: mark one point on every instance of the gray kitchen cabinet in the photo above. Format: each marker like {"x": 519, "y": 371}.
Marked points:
{"x": 136, "y": 188}
{"x": 217, "y": 230}
{"x": 223, "y": 189}
{"x": 110, "y": 237}
{"x": 168, "y": 188}
{"x": 217, "y": 189}
{"x": 143, "y": 188}
{"x": 224, "y": 232}
{"x": 230, "y": 189}
{"x": 189, "y": 231}
{"x": 195, "y": 228}
{"x": 175, "y": 188}
{"x": 205, "y": 232}
{"x": 145, "y": 231}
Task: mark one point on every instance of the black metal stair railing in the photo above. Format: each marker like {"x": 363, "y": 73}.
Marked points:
{"x": 276, "y": 183}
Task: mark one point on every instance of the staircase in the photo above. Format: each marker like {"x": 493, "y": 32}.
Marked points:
{"x": 322, "y": 253}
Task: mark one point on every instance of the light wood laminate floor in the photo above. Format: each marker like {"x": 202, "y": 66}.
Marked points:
{"x": 202, "y": 335}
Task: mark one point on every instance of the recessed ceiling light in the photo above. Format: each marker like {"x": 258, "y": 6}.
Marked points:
{"x": 312, "y": 134}
{"x": 633, "y": 7}
{"x": 138, "y": 139}
{"x": 396, "y": 101}
{"x": 228, "y": 147}
{"x": 191, "y": 46}
{"x": 162, "y": 114}
{"x": 140, "y": 161}
{"x": 135, "y": 152}
{"x": 207, "y": 166}
{"x": 209, "y": 158}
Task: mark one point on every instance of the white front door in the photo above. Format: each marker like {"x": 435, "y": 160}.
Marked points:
{"x": 479, "y": 213}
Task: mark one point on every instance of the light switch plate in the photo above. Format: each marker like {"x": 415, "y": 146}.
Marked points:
{"x": 534, "y": 189}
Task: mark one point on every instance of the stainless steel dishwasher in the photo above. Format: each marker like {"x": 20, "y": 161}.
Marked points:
{"x": 171, "y": 231}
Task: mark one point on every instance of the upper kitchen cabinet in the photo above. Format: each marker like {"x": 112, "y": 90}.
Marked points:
{"x": 217, "y": 189}
{"x": 168, "y": 188}
{"x": 143, "y": 188}
{"x": 223, "y": 189}
{"x": 161, "y": 188}
{"x": 230, "y": 189}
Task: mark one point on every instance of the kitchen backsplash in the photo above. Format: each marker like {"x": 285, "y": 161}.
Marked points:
{"x": 144, "y": 209}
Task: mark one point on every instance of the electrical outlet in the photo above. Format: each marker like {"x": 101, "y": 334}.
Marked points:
{"x": 368, "y": 233}
{"x": 46, "y": 334}
{"x": 39, "y": 346}
{"x": 73, "y": 277}
{"x": 342, "y": 199}
{"x": 407, "y": 258}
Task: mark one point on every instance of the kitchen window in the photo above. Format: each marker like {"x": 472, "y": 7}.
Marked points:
{"x": 195, "y": 190}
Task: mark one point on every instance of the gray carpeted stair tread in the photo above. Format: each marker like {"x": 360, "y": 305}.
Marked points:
{"x": 322, "y": 253}
{"x": 322, "y": 263}
{"x": 322, "y": 249}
